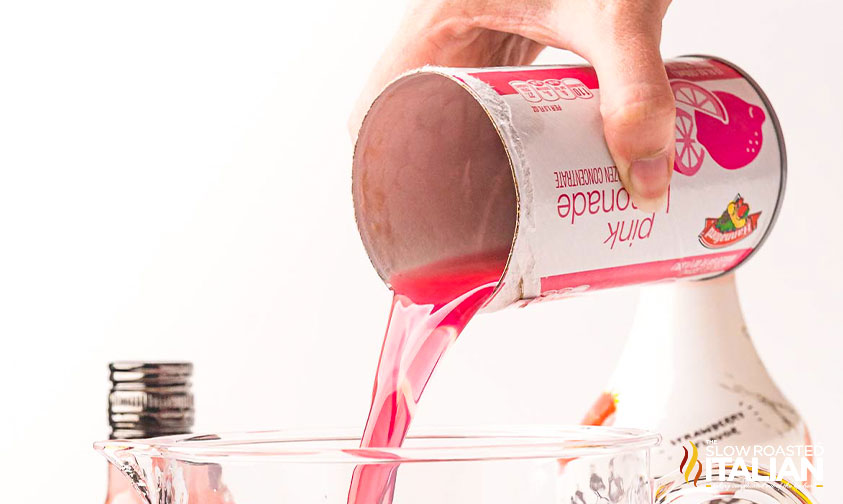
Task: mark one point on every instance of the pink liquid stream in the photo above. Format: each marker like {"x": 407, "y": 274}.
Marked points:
{"x": 430, "y": 308}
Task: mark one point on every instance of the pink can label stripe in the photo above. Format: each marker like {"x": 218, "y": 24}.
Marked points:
{"x": 620, "y": 276}
{"x": 501, "y": 80}
{"x": 506, "y": 81}
{"x": 702, "y": 70}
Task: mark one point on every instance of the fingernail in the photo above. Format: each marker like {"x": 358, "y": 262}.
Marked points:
{"x": 649, "y": 177}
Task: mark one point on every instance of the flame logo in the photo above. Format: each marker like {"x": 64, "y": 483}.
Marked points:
{"x": 687, "y": 466}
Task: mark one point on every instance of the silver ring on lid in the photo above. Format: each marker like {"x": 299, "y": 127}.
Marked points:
{"x": 149, "y": 399}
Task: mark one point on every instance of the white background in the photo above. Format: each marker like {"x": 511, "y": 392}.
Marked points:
{"x": 176, "y": 185}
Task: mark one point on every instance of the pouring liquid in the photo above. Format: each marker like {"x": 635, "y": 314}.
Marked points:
{"x": 430, "y": 308}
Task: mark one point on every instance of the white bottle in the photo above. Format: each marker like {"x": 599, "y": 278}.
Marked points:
{"x": 690, "y": 372}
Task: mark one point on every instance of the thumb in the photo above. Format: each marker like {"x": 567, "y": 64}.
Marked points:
{"x": 638, "y": 112}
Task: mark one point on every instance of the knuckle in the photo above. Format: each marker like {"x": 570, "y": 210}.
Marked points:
{"x": 645, "y": 104}
{"x": 630, "y": 8}
{"x": 624, "y": 21}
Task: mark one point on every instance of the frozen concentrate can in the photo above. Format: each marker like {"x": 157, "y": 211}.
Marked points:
{"x": 451, "y": 162}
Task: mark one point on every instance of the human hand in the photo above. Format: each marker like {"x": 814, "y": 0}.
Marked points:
{"x": 620, "y": 38}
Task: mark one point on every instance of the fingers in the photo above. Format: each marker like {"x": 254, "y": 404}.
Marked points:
{"x": 471, "y": 33}
{"x": 635, "y": 99}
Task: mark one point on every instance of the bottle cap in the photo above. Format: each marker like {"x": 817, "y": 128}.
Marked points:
{"x": 150, "y": 399}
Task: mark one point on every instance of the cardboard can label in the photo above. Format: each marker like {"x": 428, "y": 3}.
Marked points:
{"x": 578, "y": 229}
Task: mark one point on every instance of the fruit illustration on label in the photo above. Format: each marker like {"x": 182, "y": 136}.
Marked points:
{"x": 734, "y": 217}
{"x": 698, "y": 98}
{"x": 735, "y": 224}
{"x": 689, "y": 154}
{"x": 722, "y": 124}
{"x": 735, "y": 143}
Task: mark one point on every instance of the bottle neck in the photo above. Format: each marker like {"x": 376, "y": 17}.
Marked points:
{"x": 708, "y": 307}
{"x": 695, "y": 329}
{"x": 149, "y": 399}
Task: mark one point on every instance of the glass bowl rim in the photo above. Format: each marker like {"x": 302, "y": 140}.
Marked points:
{"x": 486, "y": 443}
